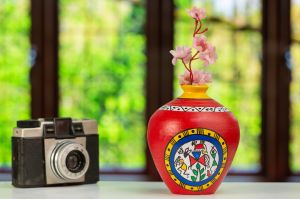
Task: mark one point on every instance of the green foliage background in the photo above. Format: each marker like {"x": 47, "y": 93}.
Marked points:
{"x": 14, "y": 70}
{"x": 102, "y": 66}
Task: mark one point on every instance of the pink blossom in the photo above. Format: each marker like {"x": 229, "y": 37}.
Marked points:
{"x": 185, "y": 79}
{"x": 199, "y": 78}
{"x": 200, "y": 43}
{"x": 197, "y": 13}
{"x": 209, "y": 56}
{"x": 184, "y": 53}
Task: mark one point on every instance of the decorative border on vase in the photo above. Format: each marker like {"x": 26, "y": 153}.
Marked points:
{"x": 219, "y": 109}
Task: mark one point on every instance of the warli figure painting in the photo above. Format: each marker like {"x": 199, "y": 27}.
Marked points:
{"x": 195, "y": 157}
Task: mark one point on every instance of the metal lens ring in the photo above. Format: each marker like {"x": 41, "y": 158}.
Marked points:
{"x": 61, "y": 156}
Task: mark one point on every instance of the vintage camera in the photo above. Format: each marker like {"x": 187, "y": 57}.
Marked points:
{"x": 57, "y": 151}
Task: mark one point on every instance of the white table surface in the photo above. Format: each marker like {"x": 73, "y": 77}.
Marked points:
{"x": 155, "y": 190}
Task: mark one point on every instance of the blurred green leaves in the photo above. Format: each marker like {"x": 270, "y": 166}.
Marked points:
{"x": 102, "y": 66}
{"x": 14, "y": 71}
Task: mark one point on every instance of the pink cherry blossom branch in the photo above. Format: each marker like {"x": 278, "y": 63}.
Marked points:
{"x": 204, "y": 51}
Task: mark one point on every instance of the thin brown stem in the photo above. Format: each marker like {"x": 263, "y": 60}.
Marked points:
{"x": 206, "y": 29}
{"x": 185, "y": 65}
{"x": 191, "y": 73}
{"x": 200, "y": 26}
{"x": 190, "y": 66}
{"x": 193, "y": 58}
{"x": 195, "y": 29}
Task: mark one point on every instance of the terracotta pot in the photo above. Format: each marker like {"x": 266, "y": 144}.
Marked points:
{"x": 193, "y": 140}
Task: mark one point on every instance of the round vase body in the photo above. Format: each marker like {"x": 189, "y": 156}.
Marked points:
{"x": 193, "y": 140}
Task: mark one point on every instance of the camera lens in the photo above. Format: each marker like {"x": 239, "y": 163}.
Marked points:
{"x": 69, "y": 160}
{"x": 75, "y": 161}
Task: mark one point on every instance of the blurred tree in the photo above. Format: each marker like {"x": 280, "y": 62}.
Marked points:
{"x": 102, "y": 74}
{"x": 14, "y": 70}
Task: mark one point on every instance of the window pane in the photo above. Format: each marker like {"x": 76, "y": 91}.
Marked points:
{"x": 14, "y": 71}
{"x": 101, "y": 74}
{"x": 295, "y": 88}
{"x": 237, "y": 72}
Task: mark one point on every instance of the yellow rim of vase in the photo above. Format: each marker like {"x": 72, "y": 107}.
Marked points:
{"x": 194, "y": 91}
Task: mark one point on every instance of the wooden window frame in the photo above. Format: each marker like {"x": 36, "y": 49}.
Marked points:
{"x": 159, "y": 80}
{"x": 276, "y": 32}
{"x": 159, "y": 29}
{"x": 44, "y": 72}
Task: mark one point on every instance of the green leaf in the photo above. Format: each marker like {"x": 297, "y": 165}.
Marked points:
{"x": 202, "y": 170}
{"x": 195, "y": 172}
{"x": 198, "y": 166}
{"x": 202, "y": 176}
{"x": 214, "y": 163}
{"x": 193, "y": 178}
{"x": 213, "y": 155}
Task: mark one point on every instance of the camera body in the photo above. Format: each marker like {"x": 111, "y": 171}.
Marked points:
{"x": 59, "y": 151}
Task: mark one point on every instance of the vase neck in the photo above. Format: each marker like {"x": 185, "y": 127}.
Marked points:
{"x": 194, "y": 92}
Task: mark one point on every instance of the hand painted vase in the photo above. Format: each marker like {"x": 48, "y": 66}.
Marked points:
{"x": 193, "y": 140}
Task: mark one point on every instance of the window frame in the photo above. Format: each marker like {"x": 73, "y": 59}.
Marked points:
{"x": 276, "y": 32}
{"x": 44, "y": 72}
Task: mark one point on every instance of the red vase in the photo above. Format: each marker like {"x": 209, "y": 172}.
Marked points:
{"x": 193, "y": 140}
